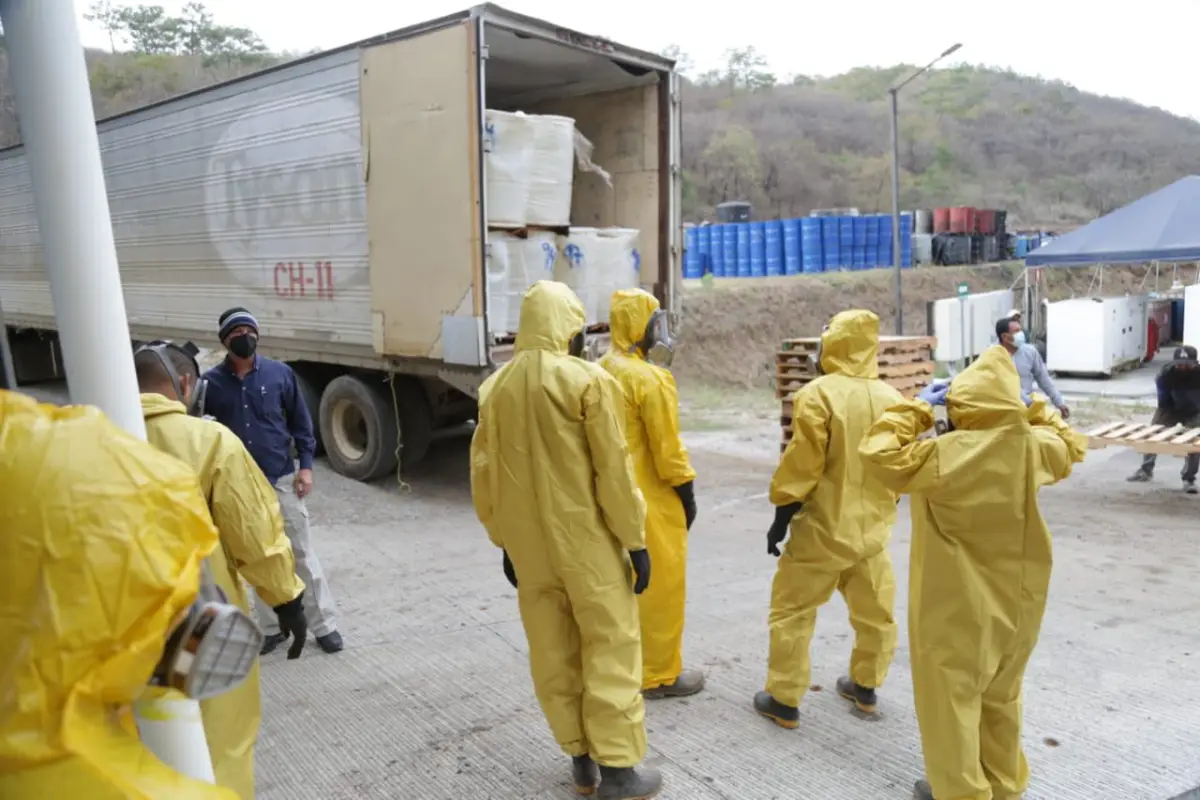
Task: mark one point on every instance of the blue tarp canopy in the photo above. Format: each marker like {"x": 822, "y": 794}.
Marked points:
{"x": 1162, "y": 226}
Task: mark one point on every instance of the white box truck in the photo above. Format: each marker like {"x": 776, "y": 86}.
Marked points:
{"x": 340, "y": 197}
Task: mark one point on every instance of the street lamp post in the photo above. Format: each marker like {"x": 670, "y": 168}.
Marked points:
{"x": 897, "y": 260}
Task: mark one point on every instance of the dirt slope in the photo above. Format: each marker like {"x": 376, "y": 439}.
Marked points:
{"x": 730, "y": 332}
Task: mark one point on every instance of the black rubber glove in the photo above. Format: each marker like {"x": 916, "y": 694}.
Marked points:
{"x": 509, "y": 572}
{"x": 292, "y": 623}
{"x": 687, "y": 496}
{"x": 641, "y": 569}
{"x": 779, "y": 528}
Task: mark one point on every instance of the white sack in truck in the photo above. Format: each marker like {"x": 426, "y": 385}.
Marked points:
{"x": 530, "y": 169}
{"x": 513, "y": 266}
{"x": 595, "y": 263}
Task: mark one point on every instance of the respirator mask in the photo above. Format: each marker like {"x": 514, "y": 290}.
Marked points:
{"x": 160, "y": 348}
{"x": 658, "y": 342}
{"x": 814, "y": 359}
{"x": 212, "y": 646}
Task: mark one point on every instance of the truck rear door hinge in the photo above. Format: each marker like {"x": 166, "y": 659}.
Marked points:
{"x": 484, "y": 52}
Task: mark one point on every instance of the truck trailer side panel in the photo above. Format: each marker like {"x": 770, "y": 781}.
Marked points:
{"x": 250, "y": 193}
{"x": 420, "y": 106}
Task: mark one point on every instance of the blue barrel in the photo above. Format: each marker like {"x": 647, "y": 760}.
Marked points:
{"x": 729, "y": 250}
{"x": 758, "y": 249}
{"x": 811, "y": 248}
{"x": 693, "y": 264}
{"x": 861, "y": 227}
{"x": 793, "y": 250}
{"x": 704, "y": 248}
{"x": 830, "y": 245}
{"x": 773, "y": 244}
{"x": 743, "y": 249}
{"x": 873, "y": 259}
{"x": 846, "y": 239}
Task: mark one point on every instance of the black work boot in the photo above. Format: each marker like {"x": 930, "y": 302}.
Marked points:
{"x": 862, "y": 697}
{"x": 585, "y": 773}
{"x": 331, "y": 642}
{"x": 629, "y": 783}
{"x": 922, "y": 790}
{"x": 1189, "y": 487}
{"x": 689, "y": 682}
{"x": 783, "y": 716}
{"x": 1142, "y": 475}
{"x": 271, "y": 641}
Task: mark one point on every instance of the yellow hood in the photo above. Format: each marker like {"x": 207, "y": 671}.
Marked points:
{"x": 850, "y": 345}
{"x": 628, "y": 317}
{"x": 156, "y": 405}
{"x": 986, "y": 394}
{"x": 550, "y": 315}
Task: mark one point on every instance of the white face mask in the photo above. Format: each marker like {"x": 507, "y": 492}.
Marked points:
{"x": 1018, "y": 338}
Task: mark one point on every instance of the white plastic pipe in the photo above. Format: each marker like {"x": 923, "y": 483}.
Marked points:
{"x": 54, "y": 105}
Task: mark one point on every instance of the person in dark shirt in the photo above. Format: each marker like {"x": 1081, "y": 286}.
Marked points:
{"x": 1178, "y": 385}
{"x": 259, "y": 400}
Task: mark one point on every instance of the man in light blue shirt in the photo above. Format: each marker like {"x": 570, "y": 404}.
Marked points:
{"x": 1029, "y": 363}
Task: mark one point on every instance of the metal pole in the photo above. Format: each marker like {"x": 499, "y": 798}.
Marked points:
{"x": 57, "y": 122}
{"x": 6, "y": 356}
{"x": 896, "y": 260}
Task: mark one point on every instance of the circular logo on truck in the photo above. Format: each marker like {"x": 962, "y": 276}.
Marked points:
{"x": 284, "y": 196}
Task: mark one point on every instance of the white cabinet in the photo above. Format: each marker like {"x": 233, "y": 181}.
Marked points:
{"x": 965, "y": 327}
{"x": 1191, "y": 315}
{"x": 1095, "y": 335}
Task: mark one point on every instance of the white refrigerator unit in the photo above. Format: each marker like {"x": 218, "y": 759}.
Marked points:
{"x": 1191, "y": 315}
{"x": 1095, "y": 335}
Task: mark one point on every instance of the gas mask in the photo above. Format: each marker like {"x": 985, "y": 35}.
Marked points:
{"x": 212, "y": 646}
{"x": 578, "y": 344}
{"x": 814, "y": 359}
{"x": 160, "y": 348}
{"x": 658, "y": 342}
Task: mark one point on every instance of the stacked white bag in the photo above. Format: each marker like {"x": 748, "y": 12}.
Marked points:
{"x": 513, "y": 265}
{"x": 595, "y": 263}
{"x": 530, "y": 169}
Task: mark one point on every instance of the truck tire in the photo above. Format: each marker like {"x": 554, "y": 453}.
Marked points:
{"x": 358, "y": 426}
{"x": 312, "y": 401}
{"x": 416, "y": 419}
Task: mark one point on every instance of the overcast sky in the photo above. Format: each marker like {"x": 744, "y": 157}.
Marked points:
{"x": 1144, "y": 51}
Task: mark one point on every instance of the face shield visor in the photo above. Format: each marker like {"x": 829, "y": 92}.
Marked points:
{"x": 658, "y": 342}
{"x": 161, "y": 348}
{"x": 211, "y": 648}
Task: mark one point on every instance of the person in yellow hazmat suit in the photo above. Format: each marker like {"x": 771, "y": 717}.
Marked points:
{"x": 554, "y": 487}
{"x": 638, "y": 328}
{"x": 980, "y": 567}
{"x": 254, "y": 546}
{"x": 102, "y": 538}
{"x": 840, "y": 520}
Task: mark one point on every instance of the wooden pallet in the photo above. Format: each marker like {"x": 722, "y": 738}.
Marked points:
{"x": 905, "y": 363}
{"x": 1164, "y": 440}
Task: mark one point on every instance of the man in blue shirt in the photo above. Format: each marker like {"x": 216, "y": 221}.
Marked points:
{"x": 1178, "y": 385}
{"x": 259, "y": 400}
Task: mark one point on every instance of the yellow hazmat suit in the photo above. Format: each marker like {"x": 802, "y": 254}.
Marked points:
{"x": 661, "y": 463}
{"x": 246, "y": 512}
{"x": 101, "y": 542}
{"x": 980, "y": 566}
{"x": 839, "y": 540}
{"x": 553, "y": 485}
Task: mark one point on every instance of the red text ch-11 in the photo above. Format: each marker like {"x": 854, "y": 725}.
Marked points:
{"x": 296, "y": 279}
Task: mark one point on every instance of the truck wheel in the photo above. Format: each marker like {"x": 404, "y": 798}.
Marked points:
{"x": 359, "y": 429}
{"x": 312, "y": 401}
{"x": 416, "y": 419}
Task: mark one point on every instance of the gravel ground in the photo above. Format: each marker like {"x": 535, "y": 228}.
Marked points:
{"x": 432, "y": 698}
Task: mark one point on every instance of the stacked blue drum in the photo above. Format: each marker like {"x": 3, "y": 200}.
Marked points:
{"x": 798, "y": 246}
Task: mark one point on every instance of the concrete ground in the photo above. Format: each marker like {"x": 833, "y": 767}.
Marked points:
{"x": 432, "y": 698}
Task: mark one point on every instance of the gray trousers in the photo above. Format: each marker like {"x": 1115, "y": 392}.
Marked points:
{"x": 1191, "y": 462}
{"x": 318, "y": 600}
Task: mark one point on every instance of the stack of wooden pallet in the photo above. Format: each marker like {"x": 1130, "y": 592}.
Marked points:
{"x": 1159, "y": 439}
{"x": 905, "y": 362}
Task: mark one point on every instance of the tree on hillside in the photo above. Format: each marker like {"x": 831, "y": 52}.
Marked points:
{"x": 150, "y": 30}
{"x": 107, "y": 17}
{"x": 747, "y": 69}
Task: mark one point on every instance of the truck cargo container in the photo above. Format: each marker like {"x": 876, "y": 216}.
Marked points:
{"x": 340, "y": 198}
